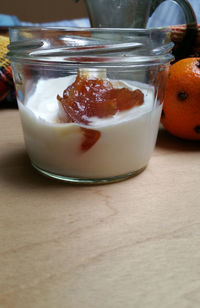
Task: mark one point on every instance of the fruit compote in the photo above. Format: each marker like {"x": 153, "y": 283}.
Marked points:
{"x": 94, "y": 97}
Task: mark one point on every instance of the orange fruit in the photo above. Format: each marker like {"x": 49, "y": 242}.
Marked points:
{"x": 181, "y": 108}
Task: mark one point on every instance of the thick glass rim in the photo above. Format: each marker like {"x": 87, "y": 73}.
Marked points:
{"x": 32, "y": 50}
{"x": 45, "y": 28}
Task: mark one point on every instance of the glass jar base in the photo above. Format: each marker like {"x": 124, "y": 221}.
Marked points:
{"x": 88, "y": 181}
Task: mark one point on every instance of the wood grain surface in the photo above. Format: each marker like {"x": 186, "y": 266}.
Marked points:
{"x": 124, "y": 245}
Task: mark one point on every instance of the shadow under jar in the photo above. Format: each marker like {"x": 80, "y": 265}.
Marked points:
{"x": 90, "y": 99}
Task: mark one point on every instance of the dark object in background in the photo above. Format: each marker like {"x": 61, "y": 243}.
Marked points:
{"x": 7, "y": 90}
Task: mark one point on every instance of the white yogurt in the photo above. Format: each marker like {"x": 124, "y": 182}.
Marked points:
{"x": 126, "y": 143}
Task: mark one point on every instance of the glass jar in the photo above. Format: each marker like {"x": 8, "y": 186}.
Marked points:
{"x": 90, "y": 100}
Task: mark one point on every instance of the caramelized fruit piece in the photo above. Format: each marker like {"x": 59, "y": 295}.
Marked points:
{"x": 91, "y": 136}
{"x": 84, "y": 99}
{"x": 127, "y": 99}
{"x": 87, "y": 98}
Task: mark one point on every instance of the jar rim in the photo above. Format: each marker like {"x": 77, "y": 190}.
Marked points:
{"x": 91, "y": 46}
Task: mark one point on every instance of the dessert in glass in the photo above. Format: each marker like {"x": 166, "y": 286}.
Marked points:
{"x": 90, "y": 99}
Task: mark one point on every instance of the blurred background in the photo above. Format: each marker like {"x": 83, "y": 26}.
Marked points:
{"x": 43, "y": 10}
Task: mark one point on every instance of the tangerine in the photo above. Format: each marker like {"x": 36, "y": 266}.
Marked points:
{"x": 181, "y": 108}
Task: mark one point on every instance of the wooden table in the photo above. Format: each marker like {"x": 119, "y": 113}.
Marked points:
{"x": 130, "y": 244}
